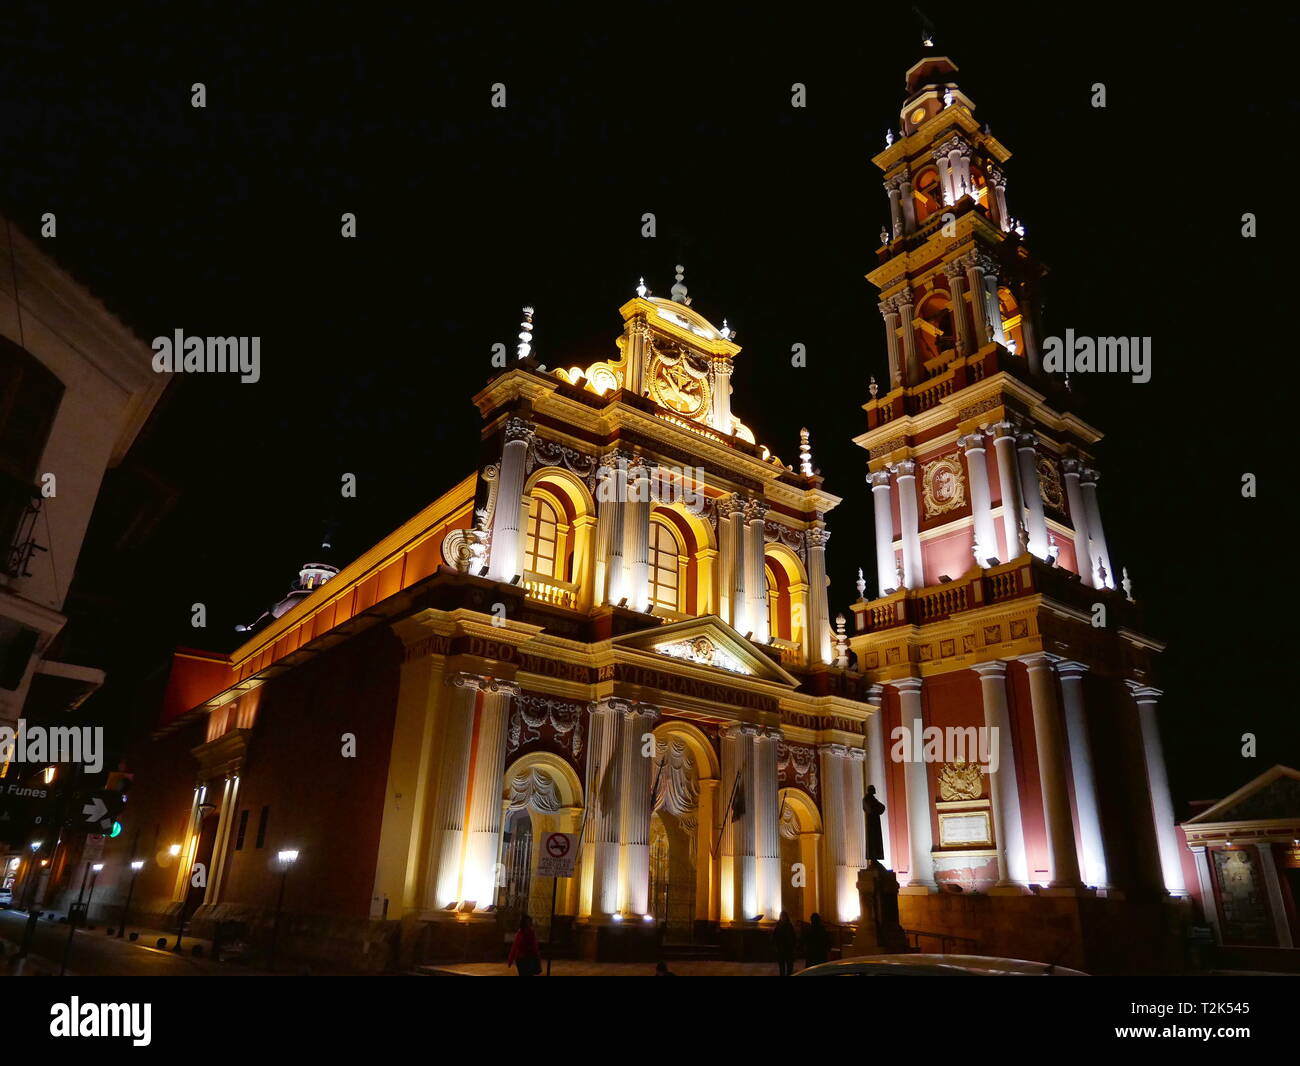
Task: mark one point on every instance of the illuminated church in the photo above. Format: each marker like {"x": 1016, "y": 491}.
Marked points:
{"x": 617, "y": 625}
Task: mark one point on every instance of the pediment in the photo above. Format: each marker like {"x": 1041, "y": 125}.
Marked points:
{"x": 711, "y": 643}
{"x": 1274, "y": 795}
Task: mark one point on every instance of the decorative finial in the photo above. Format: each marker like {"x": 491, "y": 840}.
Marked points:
{"x": 1053, "y": 549}
{"x": 861, "y": 584}
{"x": 884, "y": 235}
{"x": 526, "y": 334}
{"x": 841, "y": 643}
{"x": 805, "y": 454}
{"x": 927, "y": 40}
{"x": 641, "y": 290}
{"x": 679, "y": 290}
{"x": 1127, "y": 585}
{"x": 873, "y": 388}
{"x": 1101, "y": 573}
{"x": 1019, "y": 227}
{"x": 726, "y": 331}
{"x": 947, "y": 97}
{"x": 889, "y": 138}
{"x": 898, "y": 577}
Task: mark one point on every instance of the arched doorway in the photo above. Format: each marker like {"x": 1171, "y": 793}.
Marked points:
{"x": 799, "y": 830}
{"x": 516, "y": 868}
{"x": 675, "y": 832}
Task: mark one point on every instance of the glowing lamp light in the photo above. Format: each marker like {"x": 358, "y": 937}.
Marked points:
{"x": 138, "y": 865}
{"x": 97, "y": 867}
{"x": 36, "y": 845}
{"x": 648, "y": 918}
{"x": 616, "y": 917}
{"x": 49, "y": 774}
{"x": 117, "y": 830}
{"x": 174, "y": 850}
{"x": 287, "y": 857}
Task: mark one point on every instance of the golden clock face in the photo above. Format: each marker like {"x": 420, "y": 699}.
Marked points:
{"x": 679, "y": 385}
{"x": 918, "y": 116}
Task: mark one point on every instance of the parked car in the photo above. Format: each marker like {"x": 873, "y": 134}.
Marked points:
{"x": 921, "y": 965}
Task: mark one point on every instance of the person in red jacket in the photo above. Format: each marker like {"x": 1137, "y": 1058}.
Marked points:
{"x": 524, "y": 953}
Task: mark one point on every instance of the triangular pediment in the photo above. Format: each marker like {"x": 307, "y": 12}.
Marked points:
{"x": 1273, "y": 796}
{"x": 711, "y": 643}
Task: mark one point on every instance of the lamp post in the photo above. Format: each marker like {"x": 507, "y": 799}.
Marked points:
{"x": 32, "y": 874}
{"x": 174, "y": 851}
{"x": 286, "y": 860}
{"x": 74, "y": 917}
{"x": 136, "y": 867}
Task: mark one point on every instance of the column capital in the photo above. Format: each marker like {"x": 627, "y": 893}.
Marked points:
{"x": 1071, "y": 670}
{"x": 1072, "y": 467}
{"x": 1144, "y": 693}
{"x": 874, "y": 692}
{"x": 905, "y": 468}
{"x": 818, "y": 536}
{"x": 461, "y": 679}
{"x": 1040, "y": 660}
{"x": 497, "y": 685}
{"x": 856, "y": 754}
{"x": 906, "y": 684}
{"x": 972, "y": 442}
{"x": 732, "y": 505}
{"x": 879, "y": 479}
{"x": 992, "y": 668}
{"x": 519, "y": 429}
{"x": 1026, "y": 440}
{"x": 835, "y": 750}
{"x": 1088, "y": 476}
{"x": 1004, "y": 430}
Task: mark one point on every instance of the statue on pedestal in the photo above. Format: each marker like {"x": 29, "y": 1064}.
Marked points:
{"x": 879, "y": 931}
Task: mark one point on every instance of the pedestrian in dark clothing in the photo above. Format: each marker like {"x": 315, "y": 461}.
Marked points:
{"x": 524, "y": 953}
{"x": 816, "y": 941}
{"x": 661, "y": 970}
{"x": 783, "y": 942}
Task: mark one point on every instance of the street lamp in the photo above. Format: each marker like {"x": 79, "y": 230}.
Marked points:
{"x": 78, "y": 914}
{"x": 136, "y": 867}
{"x": 286, "y": 858}
{"x": 32, "y": 873}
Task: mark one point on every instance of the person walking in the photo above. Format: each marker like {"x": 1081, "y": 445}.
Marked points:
{"x": 783, "y": 942}
{"x": 524, "y": 953}
{"x": 816, "y": 942}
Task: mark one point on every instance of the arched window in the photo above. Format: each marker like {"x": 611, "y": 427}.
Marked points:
{"x": 1012, "y": 319}
{"x": 542, "y": 553}
{"x": 935, "y": 335}
{"x": 926, "y": 193}
{"x": 665, "y": 567}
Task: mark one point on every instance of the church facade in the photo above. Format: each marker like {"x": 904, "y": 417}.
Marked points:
{"x": 617, "y": 627}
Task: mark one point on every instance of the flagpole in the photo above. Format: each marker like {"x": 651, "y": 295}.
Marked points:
{"x": 730, "y": 802}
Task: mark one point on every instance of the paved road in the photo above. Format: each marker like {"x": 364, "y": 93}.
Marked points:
{"x": 95, "y": 954}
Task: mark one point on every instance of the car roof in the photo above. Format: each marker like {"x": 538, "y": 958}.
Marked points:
{"x": 939, "y": 965}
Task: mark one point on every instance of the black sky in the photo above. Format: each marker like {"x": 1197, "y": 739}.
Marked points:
{"x": 225, "y": 221}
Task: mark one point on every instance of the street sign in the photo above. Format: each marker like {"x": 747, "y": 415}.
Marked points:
{"x": 97, "y": 810}
{"x": 93, "y": 850}
{"x": 558, "y": 855}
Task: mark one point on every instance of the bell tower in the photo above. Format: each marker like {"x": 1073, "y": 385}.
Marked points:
{"x": 995, "y": 606}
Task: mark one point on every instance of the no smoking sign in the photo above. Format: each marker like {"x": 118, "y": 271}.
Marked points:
{"x": 558, "y": 855}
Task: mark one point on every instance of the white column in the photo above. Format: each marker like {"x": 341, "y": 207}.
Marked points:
{"x": 819, "y": 622}
{"x": 1004, "y": 444}
{"x": 876, "y": 773}
{"x": 994, "y": 308}
{"x": 767, "y": 838}
{"x": 1162, "y": 805}
{"x": 909, "y": 207}
{"x": 957, "y": 290}
{"x": 855, "y": 825}
{"x": 1209, "y": 902}
{"x": 732, "y": 511}
{"x": 920, "y": 835}
{"x": 1088, "y": 486}
{"x": 611, "y": 492}
{"x": 739, "y": 879}
{"x": 1092, "y": 850}
{"x": 945, "y": 179}
{"x": 600, "y": 844}
{"x": 634, "y": 810}
{"x": 986, "y": 541}
{"x": 1273, "y": 886}
{"x": 978, "y": 310}
{"x": 457, "y": 731}
{"x": 905, "y": 474}
{"x": 720, "y": 398}
{"x": 636, "y": 535}
{"x": 507, "y": 544}
{"x": 1004, "y": 792}
{"x": 483, "y": 841}
{"x": 1050, "y": 742}
{"x": 841, "y": 877}
{"x": 1033, "y": 498}
{"x": 890, "y": 315}
{"x": 1079, "y": 520}
{"x": 911, "y": 364}
{"x": 895, "y": 208}
{"x": 885, "y": 567}
{"x": 755, "y": 578}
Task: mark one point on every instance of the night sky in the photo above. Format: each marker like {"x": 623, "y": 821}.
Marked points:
{"x": 225, "y": 221}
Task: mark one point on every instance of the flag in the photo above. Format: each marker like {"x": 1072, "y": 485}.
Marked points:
{"x": 738, "y": 800}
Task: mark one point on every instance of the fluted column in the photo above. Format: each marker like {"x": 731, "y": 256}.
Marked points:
{"x": 1209, "y": 903}
{"x": 732, "y": 511}
{"x": 885, "y": 567}
{"x": 905, "y": 475}
{"x": 1083, "y": 554}
{"x": 483, "y": 841}
{"x": 1088, "y": 486}
{"x": 895, "y": 207}
{"x": 945, "y": 178}
{"x": 1050, "y": 742}
{"x": 841, "y": 877}
{"x": 1004, "y": 792}
{"x": 876, "y": 771}
{"x": 634, "y": 808}
{"x": 506, "y": 559}
{"x": 986, "y": 540}
{"x": 993, "y": 307}
{"x": 1092, "y": 850}
{"x": 739, "y": 874}
{"x": 767, "y": 836}
{"x": 755, "y": 578}
{"x": 636, "y": 535}
{"x": 855, "y": 826}
{"x": 909, "y": 206}
{"x": 1273, "y": 889}
{"x": 720, "y": 398}
{"x": 611, "y": 492}
{"x": 911, "y": 364}
{"x": 1162, "y": 804}
{"x": 920, "y": 832}
{"x": 819, "y": 621}
{"x": 1004, "y": 444}
{"x": 889, "y": 312}
{"x": 999, "y": 184}
{"x": 957, "y": 289}
{"x": 600, "y": 844}
{"x": 978, "y": 308}
{"x": 1036, "y": 524}
{"x": 449, "y": 812}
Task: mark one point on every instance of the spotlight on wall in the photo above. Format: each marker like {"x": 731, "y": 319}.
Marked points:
{"x": 623, "y": 602}
{"x": 944, "y": 579}
{"x": 993, "y": 560}
{"x": 749, "y": 635}
{"x": 483, "y": 572}
{"x": 516, "y": 579}
{"x": 467, "y": 906}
